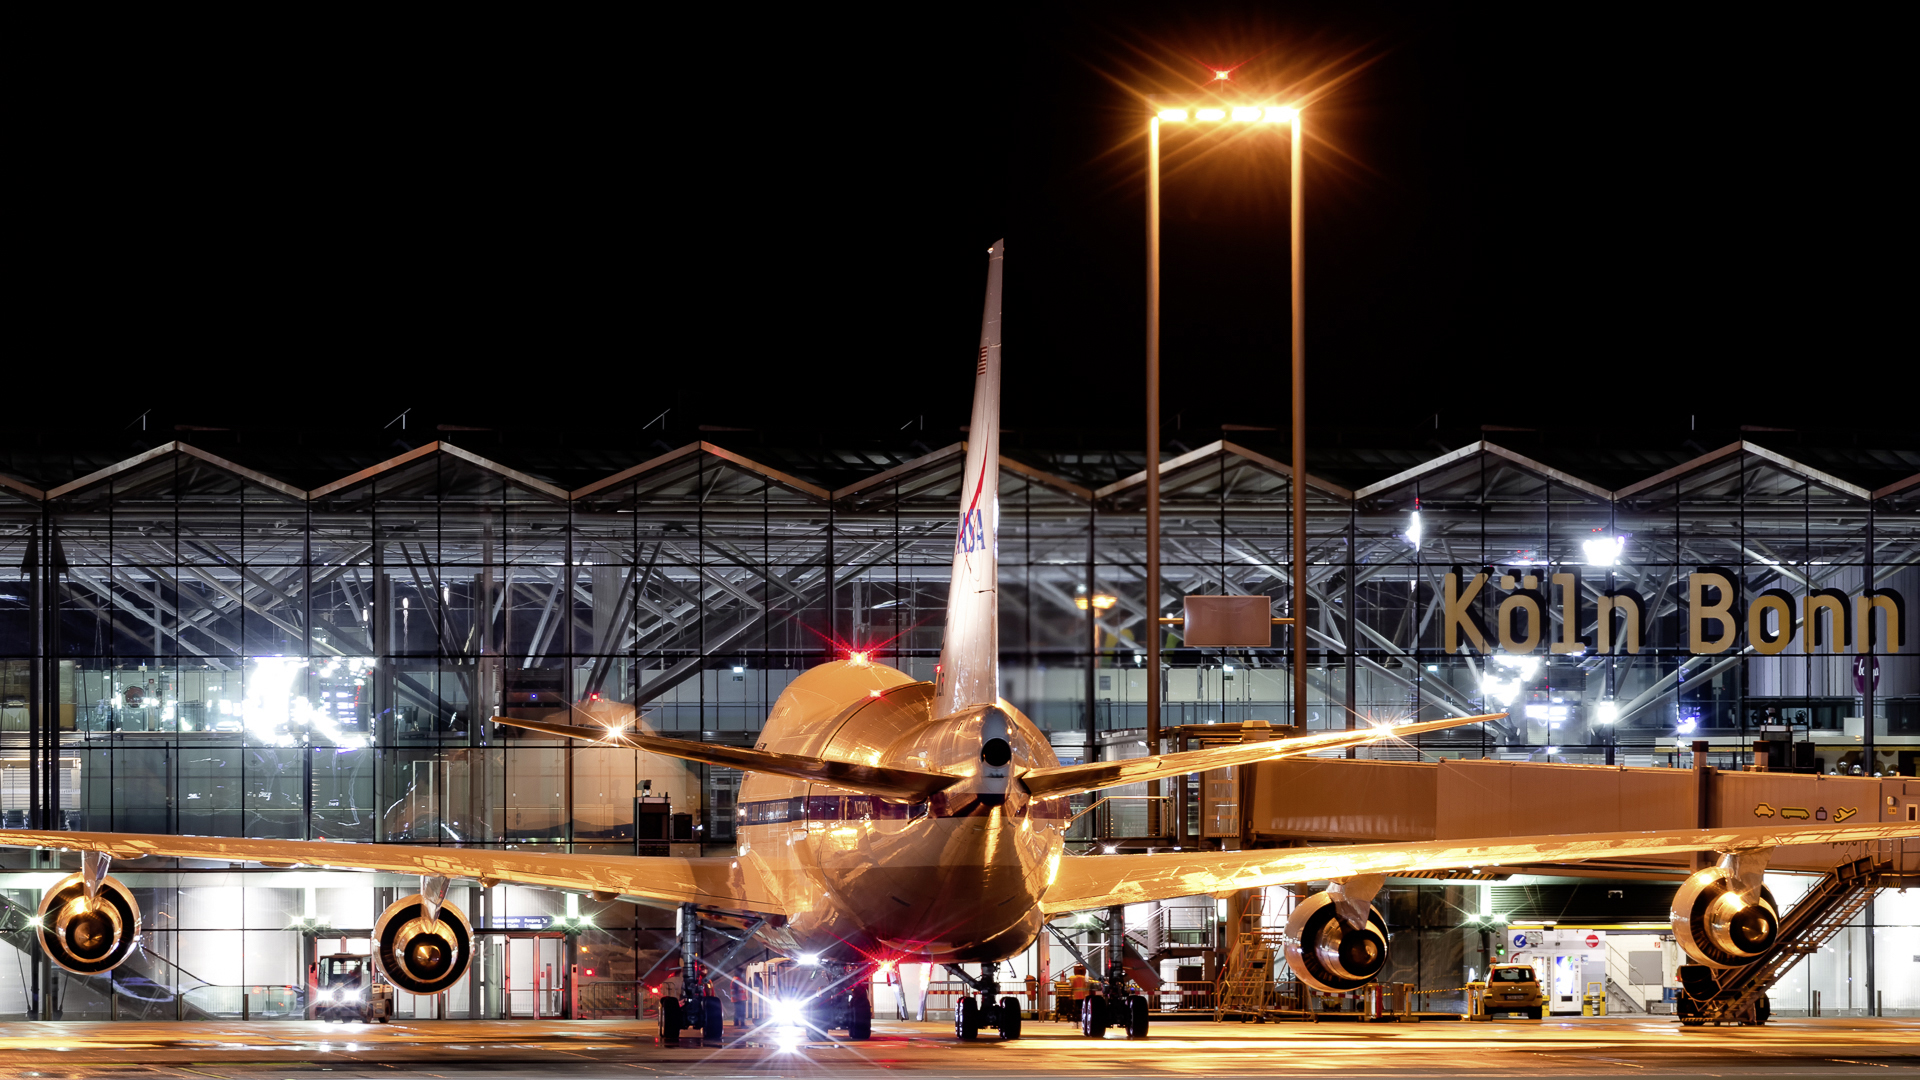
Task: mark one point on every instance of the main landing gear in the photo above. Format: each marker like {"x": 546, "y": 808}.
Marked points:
{"x": 1112, "y": 1006}
{"x": 970, "y": 1014}
{"x": 694, "y": 1008}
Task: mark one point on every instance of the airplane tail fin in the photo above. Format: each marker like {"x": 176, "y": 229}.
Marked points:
{"x": 969, "y": 672}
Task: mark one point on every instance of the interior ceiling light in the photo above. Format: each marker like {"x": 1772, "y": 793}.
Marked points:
{"x": 1505, "y": 684}
{"x": 1604, "y": 550}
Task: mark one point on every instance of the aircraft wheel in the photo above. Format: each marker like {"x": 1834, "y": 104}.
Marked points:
{"x": 670, "y": 1021}
{"x": 1009, "y": 1018}
{"x": 1136, "y": 1017}
{"x": 860, "y": 1016}
{"x": 1093, "y": 1016}
{"x": 1762, "y": 1010}
{"x": 966, "y": 1017}
{"x": 713, "y": 1018}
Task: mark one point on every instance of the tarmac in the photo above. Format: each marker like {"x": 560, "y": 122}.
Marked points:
{"x": 1612, "y": 1046}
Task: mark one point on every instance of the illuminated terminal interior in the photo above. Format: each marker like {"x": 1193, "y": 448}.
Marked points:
{"x": 191, "y": 646}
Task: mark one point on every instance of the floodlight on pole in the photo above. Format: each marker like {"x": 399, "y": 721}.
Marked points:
{"x": 1173, "y": 113}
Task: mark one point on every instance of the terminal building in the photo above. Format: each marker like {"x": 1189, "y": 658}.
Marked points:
{"x": 190, "y": 645}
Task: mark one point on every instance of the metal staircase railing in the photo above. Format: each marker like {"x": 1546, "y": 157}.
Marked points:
{"x": 1835, "y": 901}
{"x": 147, "y": 986}
{"x": 1618, "y": 993}
{"x": 1247, "y": 986}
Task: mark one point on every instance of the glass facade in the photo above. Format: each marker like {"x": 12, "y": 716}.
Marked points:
{"x": 188, "y": 646}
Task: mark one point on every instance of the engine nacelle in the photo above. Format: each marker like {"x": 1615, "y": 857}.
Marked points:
{"x": 1717, "y": 926}
{"x": 1326, "y": 953}
{"x": 85, "y": 937}
{"x": 422, "y": 956}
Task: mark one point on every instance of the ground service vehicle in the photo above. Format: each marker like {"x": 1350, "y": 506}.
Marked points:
{"x": 348, "y": 991}
{"x": 821, "y": 998}
{"x": 1515, "y": 988}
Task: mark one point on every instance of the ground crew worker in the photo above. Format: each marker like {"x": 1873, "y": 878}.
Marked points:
{"x": 739, "y": 1002}
{"x": 1078, "y": 987}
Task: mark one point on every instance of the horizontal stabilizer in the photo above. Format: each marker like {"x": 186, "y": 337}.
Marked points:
{"x": 1094, "y": 775}
{"x": 887, "y": 783}
{"x": 1093, "y": 881}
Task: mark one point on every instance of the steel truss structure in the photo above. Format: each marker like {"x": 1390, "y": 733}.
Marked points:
{"x": 188, "y": 644}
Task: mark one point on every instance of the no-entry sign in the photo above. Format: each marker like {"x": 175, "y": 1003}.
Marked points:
{"x": 1593, "y": 941}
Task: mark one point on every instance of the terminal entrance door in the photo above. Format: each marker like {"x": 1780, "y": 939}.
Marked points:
{"x": 534, "y": 976}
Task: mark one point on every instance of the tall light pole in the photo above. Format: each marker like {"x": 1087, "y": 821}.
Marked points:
{"x": 1179, "y": 112}
{"x": 1154, "y": 630}
{"x": 1297, "y": 228}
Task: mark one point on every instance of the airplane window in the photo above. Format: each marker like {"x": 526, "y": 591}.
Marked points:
{"x": 823, "y": 808}
{"x": 771, "y": 812}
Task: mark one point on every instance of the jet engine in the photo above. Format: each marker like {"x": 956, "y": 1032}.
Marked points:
{"x": 89, "y": 934}
{"x": 1329, "y": 950}
{"x": 423, "y": 947}
{"x": 1722, "y": 922}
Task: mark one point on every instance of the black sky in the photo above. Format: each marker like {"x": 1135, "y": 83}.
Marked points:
{"x": 1570, "y": 219}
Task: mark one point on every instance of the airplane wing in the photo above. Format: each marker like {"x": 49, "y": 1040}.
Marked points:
{"x": 1093, "y": 775}
{"x": 713, "y": 882}
{"x": 1092, "y": 881}
{"x": 886, "y": 782}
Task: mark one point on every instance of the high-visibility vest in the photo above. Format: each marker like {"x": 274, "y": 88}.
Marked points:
{"x": 1079, "y": 984}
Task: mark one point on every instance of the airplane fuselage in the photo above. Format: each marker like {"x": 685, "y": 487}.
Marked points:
{"x": 954, "y": 878}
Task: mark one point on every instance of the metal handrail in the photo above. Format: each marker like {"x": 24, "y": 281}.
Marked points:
{"x": 1110, "y": 798}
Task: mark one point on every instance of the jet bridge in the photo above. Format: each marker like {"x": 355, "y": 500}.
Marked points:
{"x": 1331, "y": 800}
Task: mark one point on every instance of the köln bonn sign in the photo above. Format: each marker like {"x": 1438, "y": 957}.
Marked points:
{"x": 1715, "y": 617}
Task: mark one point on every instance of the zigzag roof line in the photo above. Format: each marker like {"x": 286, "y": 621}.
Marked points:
{"x": 933, "y": 460}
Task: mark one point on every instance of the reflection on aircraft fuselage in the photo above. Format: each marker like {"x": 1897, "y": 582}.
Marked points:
{"x": 956, "y": 877}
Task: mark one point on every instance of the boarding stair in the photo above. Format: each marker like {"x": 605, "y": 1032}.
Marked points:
{"x": 1174, "y": 933}
{"x": 1620, "y": 1001}
{"x": 1734, "y": 997}
{"x": 147, "y": 986}
{"x": 1247, "y": 986}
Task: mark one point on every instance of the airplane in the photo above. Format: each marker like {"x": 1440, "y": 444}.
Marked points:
{"x": 885, "y": 819}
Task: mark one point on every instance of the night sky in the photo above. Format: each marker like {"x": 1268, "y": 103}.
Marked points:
{"x": 1599, "y": 218}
